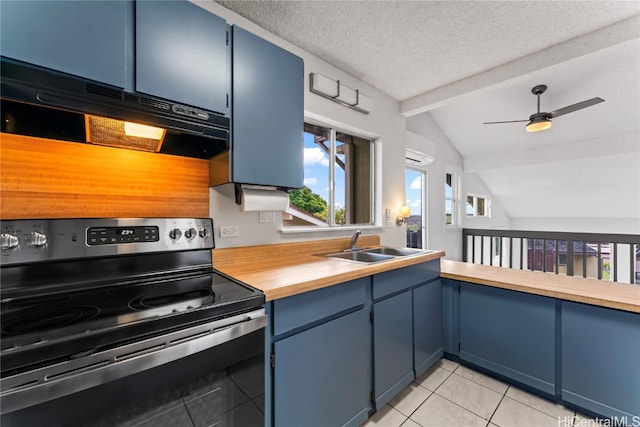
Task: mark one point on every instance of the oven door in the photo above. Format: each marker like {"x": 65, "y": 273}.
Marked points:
{"x": 206, "y": 375}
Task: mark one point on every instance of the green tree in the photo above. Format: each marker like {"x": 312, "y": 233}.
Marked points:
{"x": 340, "y": 215}
{"x": 309, "y": 201}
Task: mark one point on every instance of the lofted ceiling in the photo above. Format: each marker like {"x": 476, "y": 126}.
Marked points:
{"x": 468, "y": 62}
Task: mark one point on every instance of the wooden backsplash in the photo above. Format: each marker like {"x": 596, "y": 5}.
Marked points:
{"x": 44, "y": 178}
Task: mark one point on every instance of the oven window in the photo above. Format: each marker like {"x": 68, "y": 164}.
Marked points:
{"x": 221, "y": 386}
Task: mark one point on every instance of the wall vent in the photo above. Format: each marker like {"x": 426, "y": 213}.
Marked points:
{"x": 103, "y": 91}
{"x": 417, "y": 159}
{"x": 155, "y": 103}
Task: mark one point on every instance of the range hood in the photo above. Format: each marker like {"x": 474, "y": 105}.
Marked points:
{"x": 42, "y": 103}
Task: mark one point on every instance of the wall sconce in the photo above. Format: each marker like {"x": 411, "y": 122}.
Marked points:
{"x": 338, "y": 92}
{"x": 405, "y": 212}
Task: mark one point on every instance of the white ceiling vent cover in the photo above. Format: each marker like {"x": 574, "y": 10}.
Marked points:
{"x": 417, "y": 159}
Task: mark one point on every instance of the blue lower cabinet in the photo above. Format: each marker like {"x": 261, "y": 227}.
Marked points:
{"x": 450, "y": 316}
{"x": 392, "y": 346}
{"x": 510, "y": 333}
{"x": 322, "y": 376}
{"x": 427, "y": 326}
{"x": 601, "y": 361}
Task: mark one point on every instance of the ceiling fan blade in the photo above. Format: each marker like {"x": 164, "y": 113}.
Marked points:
{"x": 575, "y": 107}
{"x": 508, "y": 121}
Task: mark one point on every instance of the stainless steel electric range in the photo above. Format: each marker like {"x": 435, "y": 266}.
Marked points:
{"x": 125, "y": 322}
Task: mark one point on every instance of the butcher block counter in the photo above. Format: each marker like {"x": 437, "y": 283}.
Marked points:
{"x": 621, "y": 296}
{"x": 286, "y": 269}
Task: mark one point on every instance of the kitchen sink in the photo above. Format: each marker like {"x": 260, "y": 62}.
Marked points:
{"x": 385, "y": 250}
{"x": 380, "y": 254}
{"x": 361, "y": 256}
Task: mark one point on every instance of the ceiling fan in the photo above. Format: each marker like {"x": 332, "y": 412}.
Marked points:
{"x": 541, "y": 121}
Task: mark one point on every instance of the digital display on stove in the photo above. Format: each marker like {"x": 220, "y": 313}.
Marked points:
{"x": 117, "y": 235}
{"x": 126, "y": 231}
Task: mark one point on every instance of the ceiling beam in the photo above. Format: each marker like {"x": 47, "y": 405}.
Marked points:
{"x": 518, "y": 69}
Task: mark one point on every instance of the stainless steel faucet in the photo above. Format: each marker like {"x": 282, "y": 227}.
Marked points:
{"x": 354, "y": 240}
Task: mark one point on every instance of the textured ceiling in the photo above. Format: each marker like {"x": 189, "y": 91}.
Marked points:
{"x": 468, "y": 62}
{"x": 405, "y": 48}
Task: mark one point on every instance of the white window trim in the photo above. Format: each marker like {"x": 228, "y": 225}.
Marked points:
{"x": 457, "y": 223}
{"x": 376, "y": 160}
{"x": 328, "y": 229}
{"x": 424, "y": 196}
{"x": 487, "y": 207}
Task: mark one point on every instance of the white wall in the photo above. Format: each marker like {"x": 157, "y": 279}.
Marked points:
{"x": 472, "y": 184}
{"x": 579, "y": 225}
{"x": 384, "y": 123}
{"x": 448, "y": 158}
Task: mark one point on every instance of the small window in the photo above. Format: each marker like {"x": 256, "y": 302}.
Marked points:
{"x": 562, "y": 259}
{"x": 338, "y": 180}
{"x": 477, "y": 205}
{"x": 451, "y": 199}
{"x": 497, "y": 246}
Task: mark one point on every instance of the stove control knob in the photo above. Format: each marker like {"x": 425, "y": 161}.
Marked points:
{"x": 36, "y": 240}
{"x": 190, "y": 233}
{"x": 203, "y": 233}
{"x": 9, "y": 241}
{"x": 175, "y": 234}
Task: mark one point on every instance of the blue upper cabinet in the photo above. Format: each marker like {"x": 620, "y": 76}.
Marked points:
{"x": 83, "y": 38}
{"x": 182, "y": 54}
{"x": 268, "y": 113}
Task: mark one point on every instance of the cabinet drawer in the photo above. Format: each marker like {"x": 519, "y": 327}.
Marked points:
{"x": 299, "y": 310}
{"x": 394, "y": 281}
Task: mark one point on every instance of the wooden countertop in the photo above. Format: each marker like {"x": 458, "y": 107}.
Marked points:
{"x": 620, "y": 296}
{"x": 286, "y": 269}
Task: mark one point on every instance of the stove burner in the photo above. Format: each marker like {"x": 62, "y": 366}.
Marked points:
{"x": 47, "y": 319}
{"x": 174, "y": 301}
{"x": 35, "y": 302}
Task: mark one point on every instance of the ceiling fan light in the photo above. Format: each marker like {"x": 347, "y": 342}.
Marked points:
{"x": 538, "y": 125}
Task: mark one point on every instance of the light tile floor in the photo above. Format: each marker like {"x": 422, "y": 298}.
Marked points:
{"x": 453, "y": 395}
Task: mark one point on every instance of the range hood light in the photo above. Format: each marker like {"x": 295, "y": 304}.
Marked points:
{"x": 143, "y": 131}
{"x": 118, "y": 133}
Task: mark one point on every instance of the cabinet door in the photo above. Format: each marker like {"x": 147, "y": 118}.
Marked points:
{"x": 450, "y": 316}
{"x": 601, "y": 360}
{"x": 427, "y": 326}
{"x": 510, "y": 333}
{"x": 83, "y": 38}
{"x": 181, "y": 54}
{"x": 268, "y": 113}
{"x": 392, "y": 346}
{"x": 322, "y": 376}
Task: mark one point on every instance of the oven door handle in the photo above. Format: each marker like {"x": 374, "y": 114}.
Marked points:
{"x": 50, "y": 382}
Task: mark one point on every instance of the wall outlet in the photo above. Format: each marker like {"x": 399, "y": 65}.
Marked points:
{"x": 388, "y": 221}
{"x": 266, "y": 217}
{"x": 229, "y": 231}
